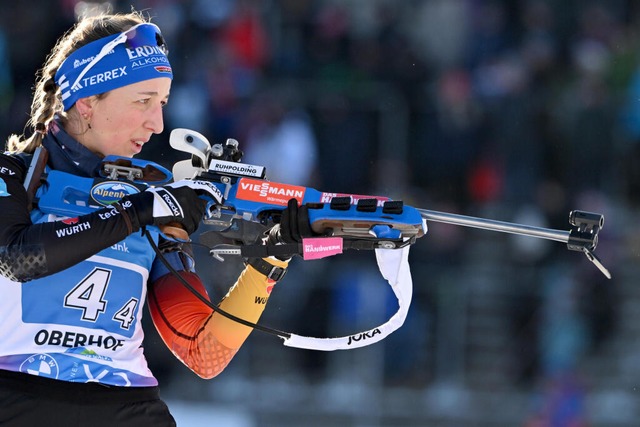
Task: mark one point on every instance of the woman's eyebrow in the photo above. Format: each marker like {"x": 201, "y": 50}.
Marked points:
{"x": 151, "y": 93}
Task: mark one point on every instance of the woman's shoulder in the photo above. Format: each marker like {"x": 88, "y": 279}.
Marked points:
{"x": 18, "y": 160}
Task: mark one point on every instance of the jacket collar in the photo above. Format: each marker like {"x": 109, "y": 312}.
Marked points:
{"x": 68, "y": 155}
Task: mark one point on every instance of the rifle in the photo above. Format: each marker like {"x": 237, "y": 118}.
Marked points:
{"x": 253, "y": 204}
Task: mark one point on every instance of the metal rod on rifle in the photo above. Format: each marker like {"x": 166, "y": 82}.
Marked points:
{"x": 501, "y": 226}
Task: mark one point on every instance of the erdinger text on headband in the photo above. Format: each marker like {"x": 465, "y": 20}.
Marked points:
{"x": 137, "y": 54}
{"x": 136, "y": 36}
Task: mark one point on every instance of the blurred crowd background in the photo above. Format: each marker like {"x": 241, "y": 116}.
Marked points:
{"x": 515, "y": 110}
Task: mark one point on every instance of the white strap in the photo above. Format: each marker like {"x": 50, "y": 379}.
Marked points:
{"x": 394, "y": 266}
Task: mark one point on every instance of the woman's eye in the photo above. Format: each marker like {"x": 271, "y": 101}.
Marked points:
{"x": 144, "y": 101}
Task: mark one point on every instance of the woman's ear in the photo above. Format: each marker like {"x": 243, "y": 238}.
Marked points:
{"x": 85, "y": 107}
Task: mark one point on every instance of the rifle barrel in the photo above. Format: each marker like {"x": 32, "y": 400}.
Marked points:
{"x": 493, "y": 225}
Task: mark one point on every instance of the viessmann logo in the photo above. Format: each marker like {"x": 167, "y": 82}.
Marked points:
{"x": 108, "y": 192}
{"x": 269, "y": 192}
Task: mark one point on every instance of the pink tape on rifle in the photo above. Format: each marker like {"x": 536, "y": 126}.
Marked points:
{"x": 321, "y": 247}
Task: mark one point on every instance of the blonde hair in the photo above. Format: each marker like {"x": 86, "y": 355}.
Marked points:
{"x": 46, "y": 102}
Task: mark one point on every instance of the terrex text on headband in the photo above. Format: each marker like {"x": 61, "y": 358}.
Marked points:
{"x": 135, "y": 55}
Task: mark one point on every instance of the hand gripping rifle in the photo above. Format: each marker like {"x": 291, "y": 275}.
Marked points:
{"x": 252, "y": 204}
